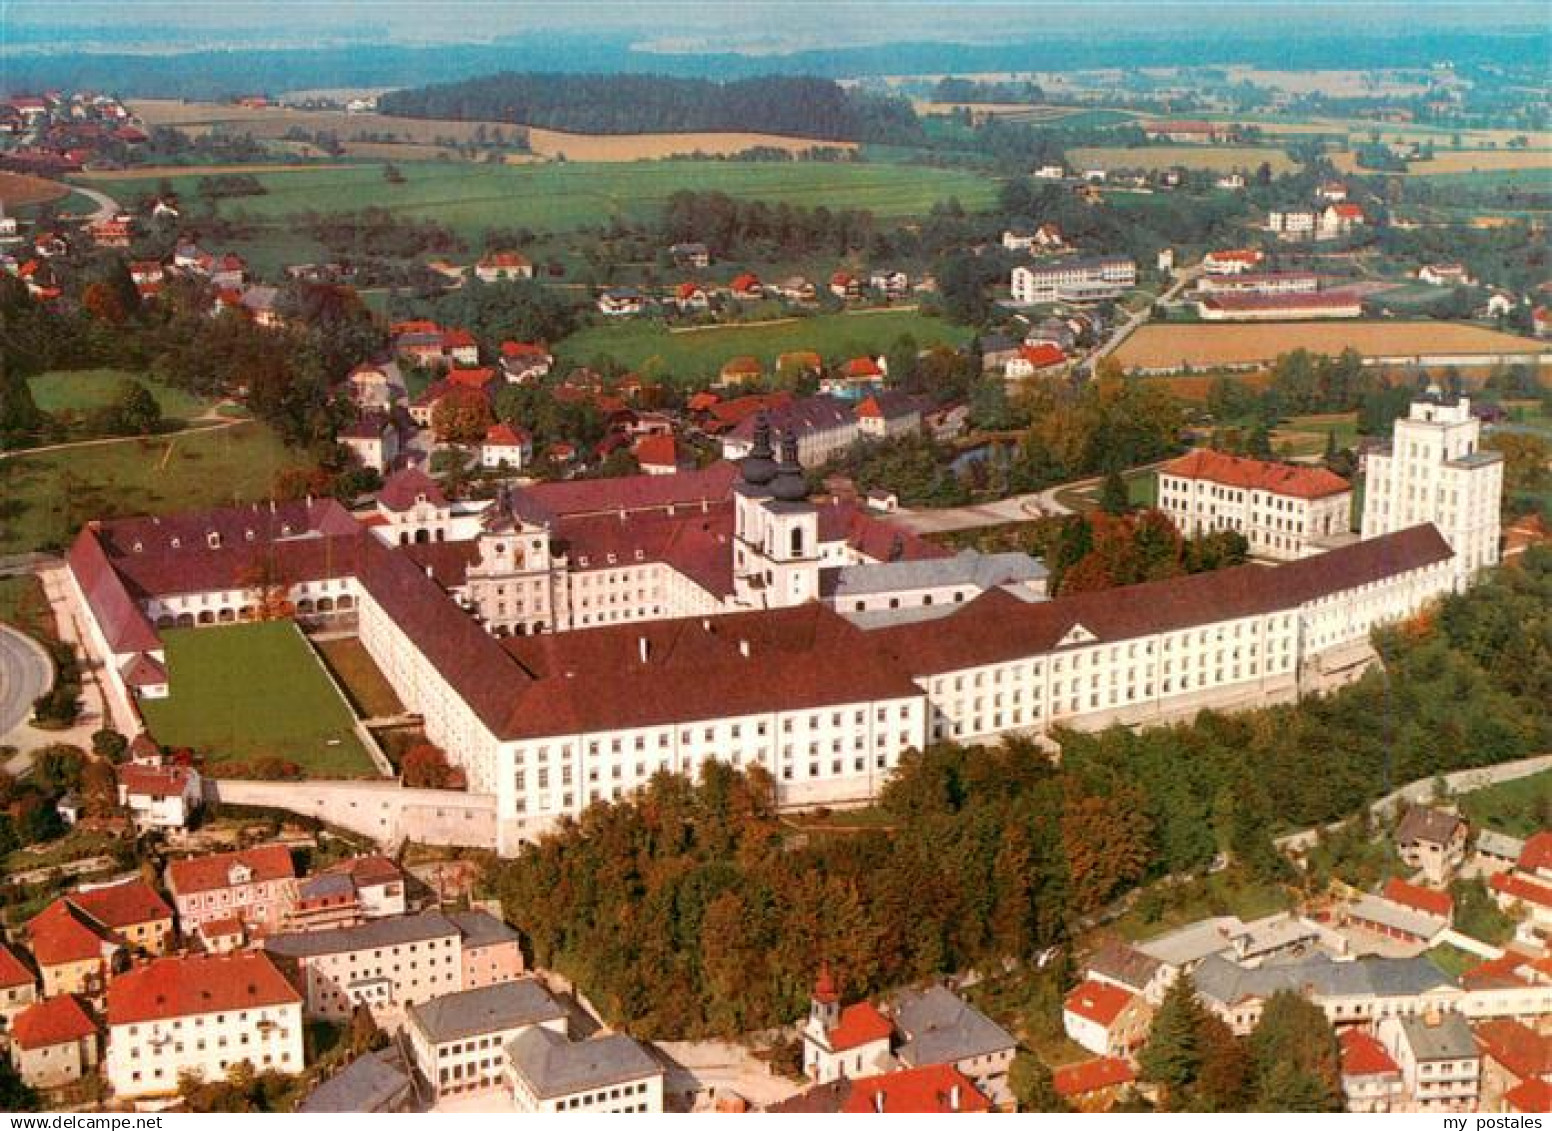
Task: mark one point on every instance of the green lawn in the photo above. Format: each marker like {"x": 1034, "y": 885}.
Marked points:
{"x": 560, "y": 196}
{"x": 45, "y": 497}
{"x": 1162, "y": 909}
{"x": 1306, "y": 435}
{"x": 1518, "y": 808}
{"x": 23, "y": 604}
{"x": 247, "y": 691}
{"x": 353, "y": 667}
{"x": 1451, "y": 959}
{"x": 701, "y": 353}
{"x": 81, "y": 390}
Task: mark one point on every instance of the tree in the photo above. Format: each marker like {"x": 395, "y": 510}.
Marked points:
{"x": 1174, "y": 1054}
{"x": 1295, "y": 1064}
{"x": 57, "y": 768}
{"x": 109, "y": 744}
{"x": 1114, "y": 498}
{"x": 1030, "y": 1081}
{"x": 426, "y": 767}
{"x": 1106, "y": 841}
{"x": 461, "y": 415}
{"x": 365, "y": 1036}
{"x": 15, "y": 1093}
{"x": 138, "y": 411}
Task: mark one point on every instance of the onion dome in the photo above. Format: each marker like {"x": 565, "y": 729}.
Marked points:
{"x": 789, "y": 485}
{"x": 759, "y": 466}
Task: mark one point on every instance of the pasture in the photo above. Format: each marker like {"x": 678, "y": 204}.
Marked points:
{"x": 83, "y": 390}
{"x": 18, "y": 190}
{"x": 46, "y": 496}
{"x": 1465, "y": 161}
{"x": 701, "y": 352}
{"x": 1156, "y": 158}
{"x": 563, "y": 196}
{"x": 243, "y": 692}
{"x": 1159, "y": 347}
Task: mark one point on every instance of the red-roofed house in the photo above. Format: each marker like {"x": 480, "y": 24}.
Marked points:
{"x": 1282, "y": 510}
{"x": 18, "y": 984}
{"x": 1428, "y": 901}
{"x": 851, "y": 1041}
{"x": 506, "y": 447}
{"x": 1536, "y": 856}
{"x": 459, "y": 348}
{"x": 72, "y": 950}
{"x": 1512, "y": 1054}
{"x": 1105, "y": 1019}
{"x": 258, "y": 885}
{"x": 1518, "y": 894}
{"x": 659, "y": 455}
{"x": 1033, "y": 359}
{"x": 54, "y": 1042}
{"x": 747, "y": 287}
{"x": 1534, "y": 1097}
{"x": 1339, "y": 219}
{"x": 525, "y": 362}
{"x": 159, "y": 797}
{"x": 1371, "y": 1079}
{"x": 1234, "y": 261}
{"x": 690, "y": 297}
{"x": 1093, "y": 1085}
{"x": 242, "y": 1004}
{"x": 936, "y": 1089}
{"x": 497, "y": 266}
{"x": 845, "y": 286}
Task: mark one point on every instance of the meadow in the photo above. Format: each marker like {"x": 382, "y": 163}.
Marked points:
{"x": 82, "y": 390}
{"x": 702, "y": 352}
{"x": 248, "y": 691}
{"x": 562, "y": 196}
{"x": 1155, "y": 158}
{"x": 1160, "y": 347}
{"x": 18, "y": 190}
{"x": 46, "y": 496}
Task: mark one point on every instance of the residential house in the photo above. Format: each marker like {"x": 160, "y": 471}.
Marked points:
{"x": 54, "y": 1043}
{"x": 621, "y": 302}
{"x": 1440, "y": 1063}
{"x": 375, "y": 386}
{"x": 660, "y": 455}
{"x": 347, "y": 893}
{"x": 1050, "y": 172}
{"x": 200, "y": 1014}
{"x": 459, "y": 1040}
{"x": 747, "y": 288}
{"x": 76, "y": 936}
{"x": 499, "y": 266}
{"x": 1536, "y": 857}
{"x": 1338, "y": 220}
{"x": 1293, "y": 223}
{"x": 741, "y": 370}
{"x": 938, "y": 1089}
{"x": 525, "y": 363}
{"x": 935, "y": 1026}
{"x": 256, "y": 885}
{"x": 851, "y": 1041}
{"x": 846, "y": 286}
{"x": 492, "y": 951}
{"x": 506, "y": 447}
{"x": 373, "y": 1083}
{"x": 548, "y": 1074}
{"x": 1034, "y": 359}
{"x": 1093, "y": 1086}
{"x": 459, "y": 349}
{"x": 1231, "y": 181}
{"x": 691, "y": 298}
{"x": 159, "y": 797}
{"x": 1122, "y": 965}
{"x": 1513, "y": 1055}
{"x": 823, "y": 426}
{"x": 797, "y": 289}
{"x": 1497, "y": 852}
{"x": 1105, "y": 1019}
{"x": 690, "y": 254}
{"x": 888, "y": 413}
{"x": 1371, "y": 1078}
{"x": 1445, "y": 275}
{"x": 893, "y": 285}
{"x": 373, "y": 440}
{"x": 996, "y": 351}
{"x": 854, "y": 377}
{"x": 325, "y": 902}
{"x": 18, "y": 984}
{"x": 1432, "y": 840}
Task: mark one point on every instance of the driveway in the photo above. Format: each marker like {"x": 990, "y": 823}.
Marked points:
{"x": 25, "y": 674}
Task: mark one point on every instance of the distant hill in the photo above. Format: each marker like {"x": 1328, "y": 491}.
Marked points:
{"x": 797, "y": 106}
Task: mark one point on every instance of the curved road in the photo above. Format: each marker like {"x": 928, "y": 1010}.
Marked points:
{"x": 107, "y": 207}
{"x": 25, "y": 674}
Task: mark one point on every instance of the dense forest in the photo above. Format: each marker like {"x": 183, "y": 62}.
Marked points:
{"x": 692, "y": 909}
{"x": 631, "y": 104}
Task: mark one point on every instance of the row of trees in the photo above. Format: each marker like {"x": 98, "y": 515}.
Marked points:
{"x": 690, "y": 909}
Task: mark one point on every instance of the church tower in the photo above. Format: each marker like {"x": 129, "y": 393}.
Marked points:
{"x": 776, "y": 543}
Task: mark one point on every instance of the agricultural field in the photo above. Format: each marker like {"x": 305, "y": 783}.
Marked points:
{"x": 82, "y": 390}
{"x": 1455, "y": 162}
{"x": 701, "y": 353}
{"x": 48, "y": 495}
{"x": 17, "y": 190}
{"x": 1161, "y": 347}
{"x": 570, "y": 195}
{"x": 1155, "y": 158}
{"x": 243, "y": 692}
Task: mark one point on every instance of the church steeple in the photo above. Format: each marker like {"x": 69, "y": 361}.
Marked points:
{"x": 825, "y": 1003}
{"x": 789, "y": 485}
{"x": 759, "y": 466}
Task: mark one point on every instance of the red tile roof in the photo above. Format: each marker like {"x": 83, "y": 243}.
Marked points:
{"x": 1532, "y": 1097}
{"x": 1235, "y": 255}
{"x": 936, "y": 1089}
{"x": 1259, "y": 475}
{"x": 123, "y": 623}
{"x": 1099, "y": 1002}
{"x": 658, "y": 451}
{"x": 1349, "y": 211}
{"x": 1519, "y": 1048}
{"x": 629, "y": 493}
{"x": 53, "y": 1021}
{"x": 1363, "y": 1055}
{"x": 860, "y": 1024}
{"x": 862, "y": 367}
{"x": 479, "y": 379}
{"x": 1091, "y": 1076}
{"x": 746, "y": 282}
{"x": 212, "y": 873}
{"x": 401, "y": 489}
{"x": 154, "y": 781}
{"x": 13, "y": 971}
{"x": 1329, "y": 300}
{"x": 523, "y": 349}
{"x": 369, "y": 871}
{"x": 1521, "y": 889}
{"x": 122, "y": 905}
{"x": 182, "y": 987}
{"x": 1426, "y": 900}
{"x": 457, "y": 339}
{"x": 1043, "y": 355}
{"x": 505, "y": 436}
{"x": 62, "y": 934}
{"x": 1537, "y": 853}
{"x": 143, "y": 671}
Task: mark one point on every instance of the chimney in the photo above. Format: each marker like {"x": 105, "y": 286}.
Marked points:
{"x": 953, "y": 1098}
{"x": 1433, "y": 1018}
{"x": 644, "y": 648}
{"x": 743, "y": 648}
{"x": 878, "y": 1101}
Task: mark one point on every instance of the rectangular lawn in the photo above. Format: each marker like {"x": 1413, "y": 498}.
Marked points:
{"x": 248, "y": 691}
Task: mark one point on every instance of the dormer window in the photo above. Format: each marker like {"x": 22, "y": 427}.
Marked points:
{"x": 213, "y": 540}
{"x": 248, "y": 535}
{"x": 137, "y": 548}
{"x": 285, "y": 530}
{"x": 582, "y": 561}
{"x": 611, "y": 559}
{"x": 176, "y": 543}
{"x": 638, "y": 555}
{"x": 420, "y": 498}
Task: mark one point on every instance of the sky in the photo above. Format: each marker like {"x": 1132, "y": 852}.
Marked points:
{"x": 754, "y": 26}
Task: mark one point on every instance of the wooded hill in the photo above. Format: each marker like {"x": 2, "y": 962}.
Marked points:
{"x": 631, "y": 104}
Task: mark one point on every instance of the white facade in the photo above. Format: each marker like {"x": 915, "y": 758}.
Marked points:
{"x": 1431, "y": 1082}
{"x": 1437, "y": 471}
{"x": 1073, "y": 279}
{"x": 1277, "y": 525}
{"x": 146, "y": 1058}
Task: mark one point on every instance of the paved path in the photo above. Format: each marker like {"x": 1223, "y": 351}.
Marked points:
{"x": 107, "y": 207}
{"x": 25, "y": 673}
{"x": 215, "y": 425}
{"x": 1126, "y": 329}
{"x": 1019, "y": 508}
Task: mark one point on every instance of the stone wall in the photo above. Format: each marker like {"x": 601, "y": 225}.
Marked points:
{"x": 385, "y": 811}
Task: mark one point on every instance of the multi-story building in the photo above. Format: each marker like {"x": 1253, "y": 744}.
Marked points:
{"x": 1437, "y": 471}
{"x": 492, "y": 951}
{"x": 254, "y": 885}
{"x": 1440, "y": 1063}
{"x": 935, "y": 1026}
{"x": 1371, "y": 1079}
{"x": 18, "y": 984}
{"x": 1432, "y": 840}
{"x": 200, "y": 1015}
{"x": 54, "y": 1043}
{"x": 77, "y": 938}
{"x": 158, "y": 797}
{"x": 549, "y": 1073}
{"x": 1283, "y": 511}
{"x": 1073, "y": 280}
{"x": 384, "y": 962}
{"x": 1272, "y": 283}
{"x": 459, "y": 1040}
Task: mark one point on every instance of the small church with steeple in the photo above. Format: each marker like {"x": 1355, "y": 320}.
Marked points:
{"x": 850, "y": 1041}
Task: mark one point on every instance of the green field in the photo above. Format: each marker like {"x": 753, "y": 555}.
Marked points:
{"x": 561, "y": 196}
{"x": 701, "y": 353}
{"x": 247, "y": 691}
{"x": 23, "y": 604}
{"x": 45, "y": 497}
{"x": 1155, "y": 158}
{"x": 1519, "y": 807}
{"x": 82, "y": 390}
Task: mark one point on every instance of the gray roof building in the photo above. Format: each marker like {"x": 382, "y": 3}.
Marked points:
{"x": 375, "y": 1082}
{"x": 396, "y": 931}
{"x": 1446, "y": 1037}
{"x": 490, "y": 1009}
{"x": 1124, "y": 965}
{"x": 481, "y": 929}
{"x": 554, "y": 1066}
{"x": 968, "y": 567}
{"x": 940, "y": 1028}
{"x": 1432, "y": 826}
{"x": 1225, "y": 983}
{"x": 1500, "y": 845}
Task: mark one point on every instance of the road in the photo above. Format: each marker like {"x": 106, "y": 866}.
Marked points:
{"x": 107, "y": 207}
{"x": 25, "y": 674}
{"x": 1126, "y": 329}
{"x": 1018, "y": 508}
